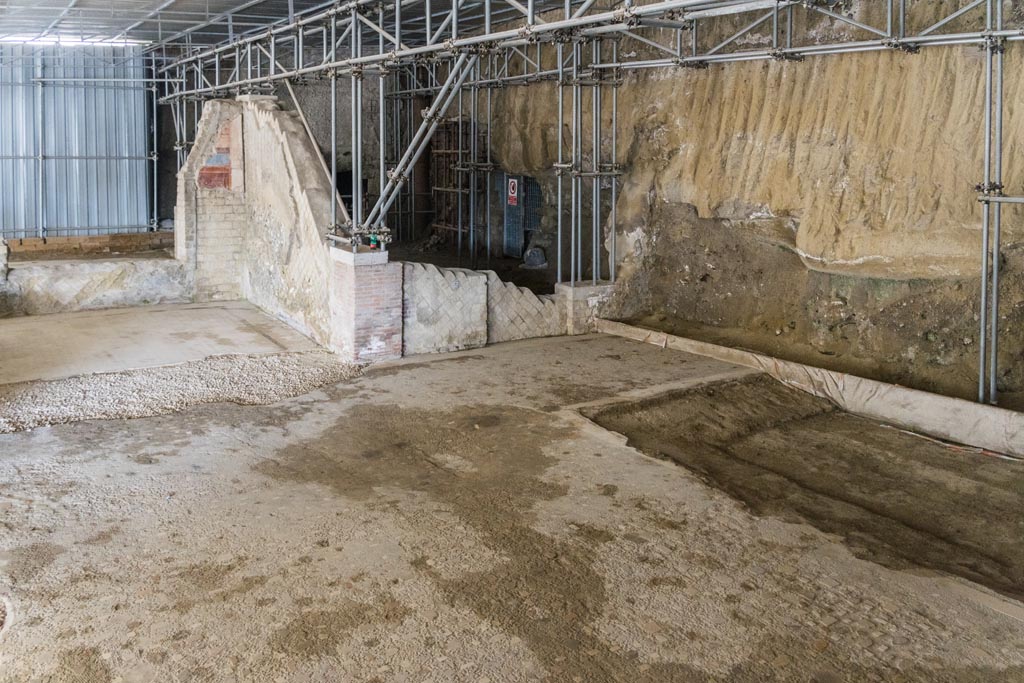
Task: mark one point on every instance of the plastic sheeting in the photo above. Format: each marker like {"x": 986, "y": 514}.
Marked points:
{"x": 943, "y": 417}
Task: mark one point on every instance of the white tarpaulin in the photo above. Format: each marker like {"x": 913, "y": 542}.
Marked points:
{"x": 943, "y": 417}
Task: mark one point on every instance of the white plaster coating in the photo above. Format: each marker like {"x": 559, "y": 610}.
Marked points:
{"x": 361, "y": 258}
{"x": 33, "y": 288}
{"x": 443, "y": 309}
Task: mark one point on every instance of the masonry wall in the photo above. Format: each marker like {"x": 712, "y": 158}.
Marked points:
{"x": 517, "y": 313}
{"x": 253, "y": 212}
{"x": 251, "y": 221}
{"x": 451, "y": 309}
{"x": 36, "y": 288}
{"x": 443, "y": 309}
{"x": 367, "y": 309}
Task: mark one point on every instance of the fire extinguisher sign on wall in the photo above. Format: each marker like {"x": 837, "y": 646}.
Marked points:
{"x": 513, "y": 192}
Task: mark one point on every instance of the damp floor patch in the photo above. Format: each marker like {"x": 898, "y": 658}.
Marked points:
{"x": 895, "y": 498}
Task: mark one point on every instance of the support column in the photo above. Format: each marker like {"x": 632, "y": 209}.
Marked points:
{"x": 366, "y": 305}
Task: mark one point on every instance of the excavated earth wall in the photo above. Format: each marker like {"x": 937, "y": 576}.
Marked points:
{"x": 821, "y": 210}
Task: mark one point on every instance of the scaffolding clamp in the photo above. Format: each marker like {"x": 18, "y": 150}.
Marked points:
{"x": 783, "y": 55}
{"x": 997, "y": 44}
{"x": 485, "y": 48}
{"x": 691, "y": 63}
{"x": 565, "y": 35}
{"x": 627, "y": 16}
{"x": 903, "y": 46}
{"x": 990, "y": 189}
{"x": 397, "y": 176}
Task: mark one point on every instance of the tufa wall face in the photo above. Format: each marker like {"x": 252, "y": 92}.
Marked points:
{"x": 822, "y": 210}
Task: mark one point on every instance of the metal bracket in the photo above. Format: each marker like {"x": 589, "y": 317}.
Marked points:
{"x": 781, "y": 55}
{"x": 566, "y": 35}
{"x": 997, "y": 44}
{"x": 992, "y": 189}
{"x": 627, "y": 16}
{"x": 903, "y": 46}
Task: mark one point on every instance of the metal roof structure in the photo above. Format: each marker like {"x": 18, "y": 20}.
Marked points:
{"x": 195, "y": 23}
{"x": 168, "y": 22}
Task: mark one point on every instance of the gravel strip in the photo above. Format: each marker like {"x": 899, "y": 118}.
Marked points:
{"x": 242, "y": 379}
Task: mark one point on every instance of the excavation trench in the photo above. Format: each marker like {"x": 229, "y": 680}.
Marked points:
{"x": 895, "y": 498}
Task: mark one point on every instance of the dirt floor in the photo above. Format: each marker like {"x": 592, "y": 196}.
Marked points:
{"x": 852, "y": 477}
{"x": 455, "y": 518}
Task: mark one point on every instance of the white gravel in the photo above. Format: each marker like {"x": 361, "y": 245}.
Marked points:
{"x": 242, "y": 379}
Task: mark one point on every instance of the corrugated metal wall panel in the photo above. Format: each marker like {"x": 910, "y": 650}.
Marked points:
{"x": 94, "y": 136}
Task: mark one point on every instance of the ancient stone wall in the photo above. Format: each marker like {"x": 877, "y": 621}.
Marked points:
{"x": 253, "y": 212}
{"x": 517, "y": 313}
{"x": 443, "y": 309}
{"x": 38, "y": 287}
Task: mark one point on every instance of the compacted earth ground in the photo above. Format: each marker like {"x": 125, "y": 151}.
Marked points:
{"x": 485, "y": 516}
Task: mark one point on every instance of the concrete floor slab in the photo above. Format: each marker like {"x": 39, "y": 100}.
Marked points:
{"x": 61, "y": 345}
{"x": 448, "y": 519}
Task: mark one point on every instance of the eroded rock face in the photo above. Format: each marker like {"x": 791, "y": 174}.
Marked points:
{"x": 833, "y": 198}
{"x": 709, "y": 278}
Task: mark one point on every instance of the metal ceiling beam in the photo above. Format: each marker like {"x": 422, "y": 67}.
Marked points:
{"x": 222, "y": 17}
{"x": 154, "y": 13}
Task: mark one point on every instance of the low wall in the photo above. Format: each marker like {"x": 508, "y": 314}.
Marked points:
{"x": 515, "y": 312}
{"x": 121, "y": 244}
{"x": 450, "y": 309}
{"x": 34, "y": 288}
{"x": 443, "y": 309}
{"x": 965, "y": 422}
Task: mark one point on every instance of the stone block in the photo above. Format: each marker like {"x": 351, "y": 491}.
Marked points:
{"x": 515, "y": 312}
{"x": 582, "y": 304}
{"x": 443, "y": 309}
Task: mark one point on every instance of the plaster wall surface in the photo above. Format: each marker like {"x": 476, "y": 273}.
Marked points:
{"x": 260, "y": 237}
{"x": 443, "y": 309}
{"x": 34, "y": 288}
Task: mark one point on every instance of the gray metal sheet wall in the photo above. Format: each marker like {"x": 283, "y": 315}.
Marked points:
{"x": 74, "y": 153}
